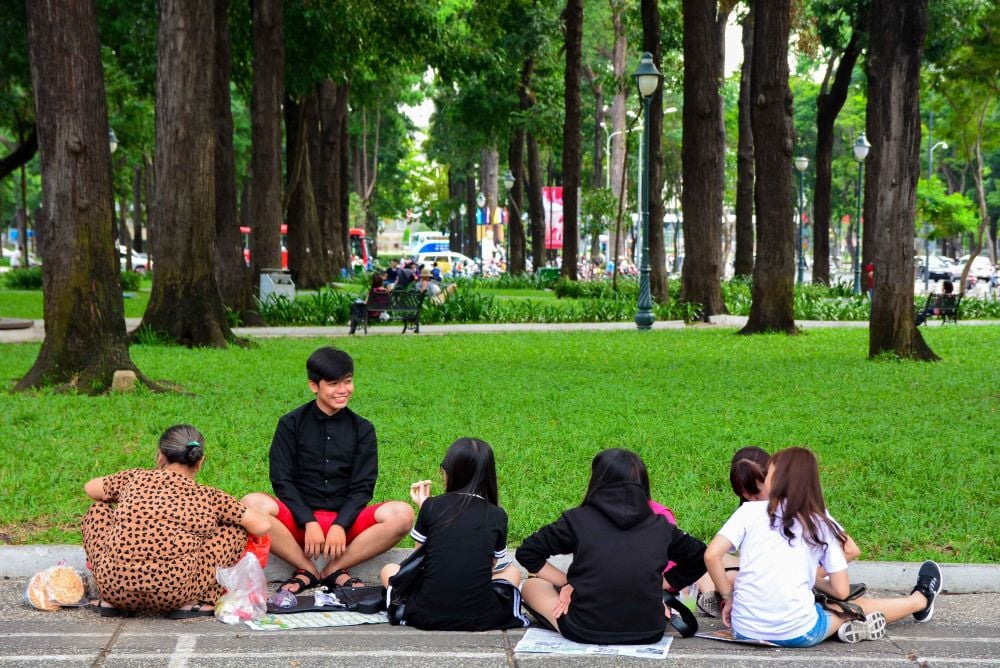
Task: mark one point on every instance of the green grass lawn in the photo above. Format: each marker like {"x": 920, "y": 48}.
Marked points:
{"x": 29, "y": 304}
{"x": 908, "y": 451}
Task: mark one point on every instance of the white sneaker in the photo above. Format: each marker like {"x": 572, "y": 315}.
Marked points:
{"x": 872, "y": 628}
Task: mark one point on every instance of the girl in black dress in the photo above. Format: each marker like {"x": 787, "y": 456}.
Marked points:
{"x": 463, "y": 535}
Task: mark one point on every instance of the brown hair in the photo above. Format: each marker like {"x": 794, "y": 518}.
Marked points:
{"x": 795, "y": 487}
{"x": 377, "y": 280}
{"x": 747, "y": 472}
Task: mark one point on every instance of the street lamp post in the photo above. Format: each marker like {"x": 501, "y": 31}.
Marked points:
{"x": 647, "y": 79}
{"x": 508, "y": 182}
{"x": 861, "y": 147}
{"x": 801, "y": 164}
{"x": 927, "y": 235}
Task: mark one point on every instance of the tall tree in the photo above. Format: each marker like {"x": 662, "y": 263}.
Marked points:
{"x": 231, "y": 272}
{"x": 515, "y": 161}
{"x": 306, "y": 245}
{"x": 772, "y": 307}
{"x": 84, "y": 316}
{"x": 898, "y": 28}
{"x": 743, "y": 262}
{"x": 828, "y": 105}
{"x": 703, "y": 156}
{"x": 571, "y": 150}
{"x": 651, "y": 42}
{"x": 265, "y": 120}
{"x": 185, "y": 304}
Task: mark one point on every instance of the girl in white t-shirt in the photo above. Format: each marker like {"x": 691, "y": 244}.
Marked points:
{"x": 781, "y": 542}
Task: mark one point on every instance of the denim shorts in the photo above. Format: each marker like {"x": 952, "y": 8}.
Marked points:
{"x": 814, "y": 636}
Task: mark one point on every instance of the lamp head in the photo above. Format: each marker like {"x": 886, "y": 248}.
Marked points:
{"x": 508, "y": 180}
{"x": 802, "y": 163}
{"x": 462, "y": 209}
{"x": 861, "y": 147}
{"x": 480, "y": 200}
{"x": 112, "y": 140}
{"x": 647, "y": 77}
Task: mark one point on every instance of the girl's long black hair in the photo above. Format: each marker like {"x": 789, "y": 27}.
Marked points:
{"x": 470, "y": 469}
{"x": 797, "y": 494}
{"x": 613, "y": 466}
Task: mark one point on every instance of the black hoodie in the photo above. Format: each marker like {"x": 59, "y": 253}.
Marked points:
{"x": 620, "y": 548}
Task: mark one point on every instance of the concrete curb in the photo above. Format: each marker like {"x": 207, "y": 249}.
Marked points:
{"x": 21, "y": 561}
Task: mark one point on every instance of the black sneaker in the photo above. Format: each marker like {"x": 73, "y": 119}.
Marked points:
{"x": 929, "y": 584}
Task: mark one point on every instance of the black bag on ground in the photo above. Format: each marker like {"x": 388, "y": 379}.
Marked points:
{"x": 366, "y": 600}
{"x": 845, "y": 607}
{"x": 402, "y": 584}
{"x": 684, "y": 621}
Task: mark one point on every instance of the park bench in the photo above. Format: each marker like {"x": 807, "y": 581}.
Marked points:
{"x": 942, "y": 306}
{"x": 394, "y": 305}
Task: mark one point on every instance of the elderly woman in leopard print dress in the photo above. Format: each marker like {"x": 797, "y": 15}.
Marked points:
{"x": 154, "y": 538}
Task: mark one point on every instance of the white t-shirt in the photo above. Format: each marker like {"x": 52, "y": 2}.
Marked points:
{"x": 773, "y": 598}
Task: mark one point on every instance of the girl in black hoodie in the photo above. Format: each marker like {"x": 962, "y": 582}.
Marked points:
{"x": 612, "y": 592}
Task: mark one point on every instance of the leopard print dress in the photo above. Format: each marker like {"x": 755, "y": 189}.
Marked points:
{"x": 155, "y": 543}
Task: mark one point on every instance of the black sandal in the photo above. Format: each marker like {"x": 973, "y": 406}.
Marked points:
{"x": 295, "y": 578}
{"x": 199, "y": 609}
{"x": 108, "y": 611}
{"x": 330, "y": 581}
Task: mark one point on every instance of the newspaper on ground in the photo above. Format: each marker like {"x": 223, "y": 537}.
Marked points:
{"x": 549, "y": 642}
{"x": 315, "y": 620}
{"x": 725, "y": 635}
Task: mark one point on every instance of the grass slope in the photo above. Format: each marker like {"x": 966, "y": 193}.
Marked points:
{"x": 908, "y": 451}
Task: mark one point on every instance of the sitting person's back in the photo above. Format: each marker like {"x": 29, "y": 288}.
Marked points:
{"x": 945, "y": 299}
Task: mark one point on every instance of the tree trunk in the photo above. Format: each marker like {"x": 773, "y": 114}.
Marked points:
{"x": 898, "y": 28}
{"x": 534, "y": 198}
{"x": 84, "y": 315}
{"x": 536, "y": 203}
{"x": 305, "y": 241}
{"x": 743, "y": 264}
{"x": 137, "y": 224}
{"x": 489, "y": 177}
{"x": 619, "y": 139}
{"x": 344, "y": 208}
{"x": 185, "y": 305}
{"x": 772, "y": 307}
{"x": 703, "y": 160}
{"x": 828, "y": 106}
{"x": 657, "y": 251}
{"x": 328, "y": 201}
{"x": 471, "y": 228}
{"x": 265, "y": 127}
{"x": 515, "y": 227}
{"x": 573, "y": 16}
{"x": 231, "y": 272}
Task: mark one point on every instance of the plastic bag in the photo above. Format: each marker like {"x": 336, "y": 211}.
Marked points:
{"x": 246, "y": 591}
{"x": 56, "y": 587}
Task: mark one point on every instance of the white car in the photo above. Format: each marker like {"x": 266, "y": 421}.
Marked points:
{"x": 981, "y": 267}
{"x": 140, "y": 261}
{"x": 446, "y": 261}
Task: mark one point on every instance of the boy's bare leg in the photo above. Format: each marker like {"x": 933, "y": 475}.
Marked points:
{"x": 387, "y": 572}
{"x": 283, "y": 544}
{"x": 394, "y": 519}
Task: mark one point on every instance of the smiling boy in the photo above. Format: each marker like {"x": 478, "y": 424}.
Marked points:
{"x": 324, "y": 463}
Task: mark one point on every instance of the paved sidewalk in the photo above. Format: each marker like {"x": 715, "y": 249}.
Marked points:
{"x": 37, "y": 330}
{"x": 965, "y": 631}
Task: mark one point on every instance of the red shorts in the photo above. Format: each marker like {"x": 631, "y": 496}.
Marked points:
{"x": 365, "y": 520}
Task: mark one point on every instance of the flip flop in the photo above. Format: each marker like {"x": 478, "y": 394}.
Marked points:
{"x": 108, "y": 611}
{"x": 200, "y": 609}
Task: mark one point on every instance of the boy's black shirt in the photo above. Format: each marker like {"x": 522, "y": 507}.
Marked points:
{"x": 324, "y": 462}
